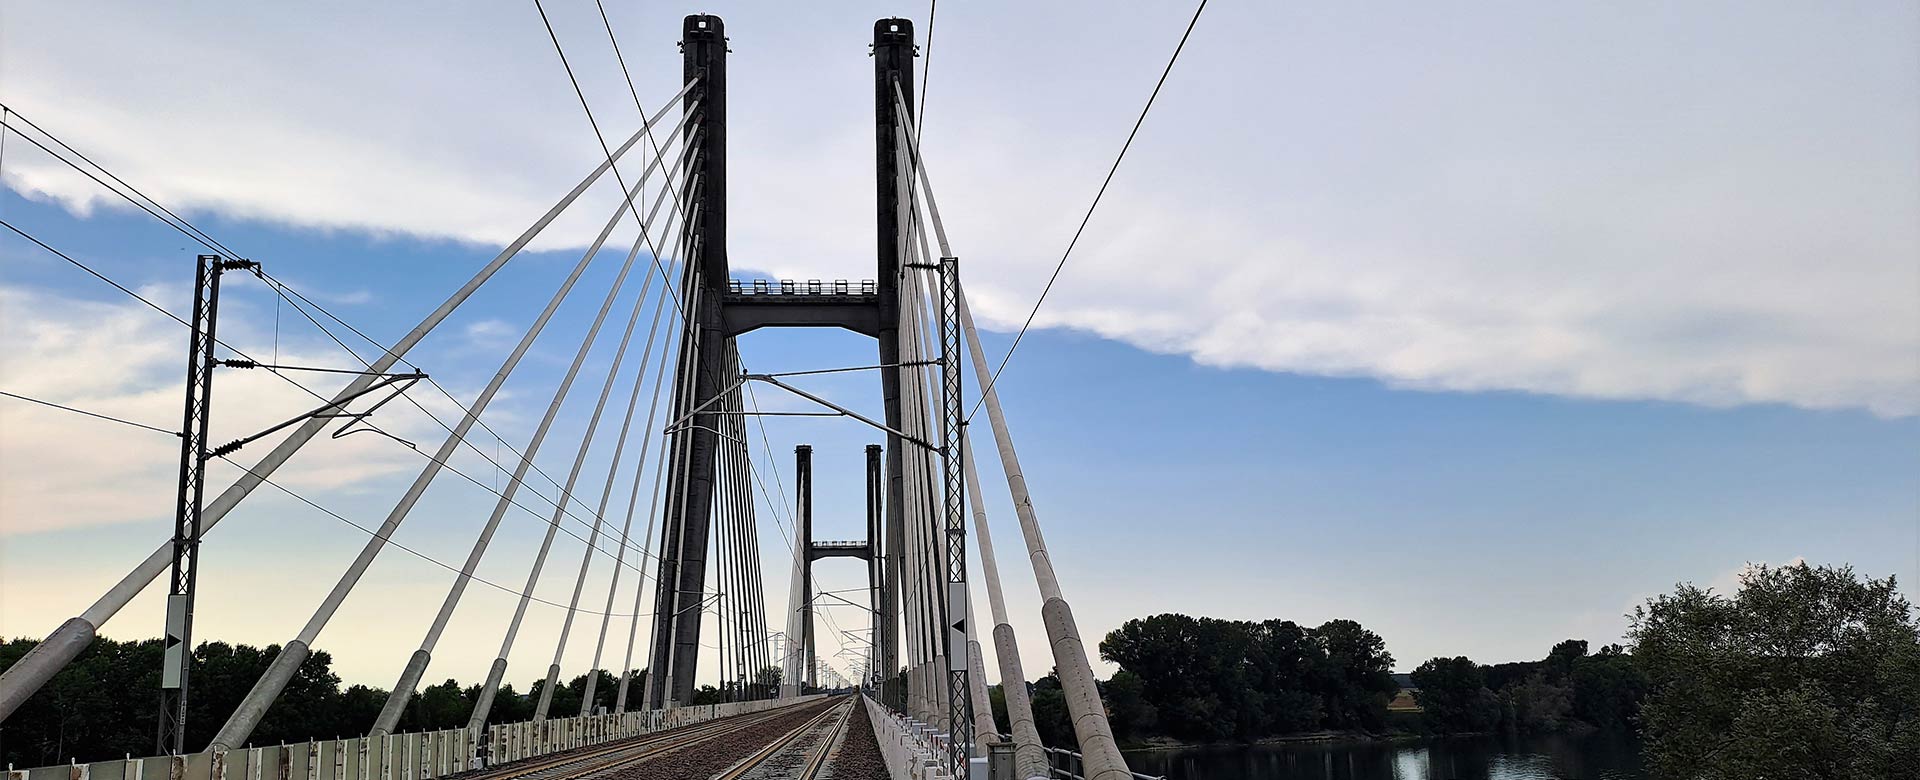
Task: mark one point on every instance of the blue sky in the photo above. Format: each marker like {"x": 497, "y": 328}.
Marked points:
{"x": 1480, "y": 391}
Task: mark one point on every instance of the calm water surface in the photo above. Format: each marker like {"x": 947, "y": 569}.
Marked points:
{"x": 1598, "y": 756}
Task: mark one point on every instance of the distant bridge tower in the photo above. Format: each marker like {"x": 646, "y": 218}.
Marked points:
{"x": 806, "y": 660}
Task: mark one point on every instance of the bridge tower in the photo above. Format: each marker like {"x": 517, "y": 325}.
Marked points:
{"x": 723, "y": 310}
{"x": 806, "y": 660}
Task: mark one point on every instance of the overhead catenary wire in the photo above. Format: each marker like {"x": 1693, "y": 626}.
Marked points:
{"x": 297, "y": 300}
{"x": 171, "y": 219}
{"x": 926, "y": 67}
{"x": 645, "y": 130}
{"x": 215, "y": 245}
{"x": 66, "y": 642}
{"x": 493, "y": 489}
{"x": 388, "y": 540}
{"x": 241, "y": 724}
{"x": 107, "y": 417}
{"x": 161, "y": 212}
{"x": 524, "y": 460}
{"x": 167, "y": 216}
{"x": 1084, "y": 219}
{"x": 273, "y": 369}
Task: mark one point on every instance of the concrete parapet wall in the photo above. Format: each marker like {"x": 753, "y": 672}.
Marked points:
{"x": 912, "y": 749}
{"x": 415, "y": 756}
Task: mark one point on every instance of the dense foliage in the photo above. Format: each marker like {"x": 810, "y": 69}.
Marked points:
{"x": 1804, "y": 672}
{"x": 106, "y": 703}
{"x": 1202, "y": 679}
{"x": 1568, "y": 689}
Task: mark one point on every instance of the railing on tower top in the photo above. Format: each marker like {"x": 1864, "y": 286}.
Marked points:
{"x": 808, "y": 287}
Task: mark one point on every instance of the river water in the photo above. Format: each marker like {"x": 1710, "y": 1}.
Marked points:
{"x": 1593, "y": 756}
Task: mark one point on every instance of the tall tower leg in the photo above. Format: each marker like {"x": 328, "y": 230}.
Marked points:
{"x": 893, "y": 53}
{"x": 689, "y": 501}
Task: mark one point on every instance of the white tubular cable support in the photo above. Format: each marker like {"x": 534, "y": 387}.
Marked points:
{"x": 66, "y": 642}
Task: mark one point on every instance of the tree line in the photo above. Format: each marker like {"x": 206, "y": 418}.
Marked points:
{"x": 1568, "y": 689}
{"x": 1801, "y": 671}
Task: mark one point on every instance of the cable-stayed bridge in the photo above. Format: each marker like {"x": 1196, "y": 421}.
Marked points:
{"x": 688, "y": 549}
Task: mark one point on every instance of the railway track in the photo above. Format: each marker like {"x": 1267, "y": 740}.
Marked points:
{"x": 612, "y": 760}
{"x": 779, "y": 756}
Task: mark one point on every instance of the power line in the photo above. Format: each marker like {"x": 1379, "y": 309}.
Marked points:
{"x": 464, "y": 440}
{"x": 170, "y": 315}
{"x": 602, "y": 138}
{"x": 926, "y": 68}
{"x": 186, "y": 228}
{"x": 5, "y": 112}
{"x": 282, "y": 288}
{"x": 296, "y": 496}
{"x": 204, "y": 239}
{"x": 1090, "y": 208}
{"x": 107, "y": 417}
{"x": 645, "y": 129}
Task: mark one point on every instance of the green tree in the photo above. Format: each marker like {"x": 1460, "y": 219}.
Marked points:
{"x": 706, "y": 694}
{"x": 1563, "y": 658}
{"x": 511, "y": 706}
{"x": 1211, "y": 680}
{"x": 1356, "y": 678}
{"x": 1537, "y": 706}
{"x": 1050, "y": 716}
{"x": 442, "y": 706}
{"x": 1128, "y": 710}
{"x": 1607, "y": 689}
{"x": 1453, "y": 696}
{"x": 1281, "y": 662}
{"x": 769, "y": 677}
{"x": 1803, "y": 672}
{"x": 997, "y": 699}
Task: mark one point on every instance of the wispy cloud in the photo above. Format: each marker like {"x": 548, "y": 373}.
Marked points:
{"x": 1555, "y": 202}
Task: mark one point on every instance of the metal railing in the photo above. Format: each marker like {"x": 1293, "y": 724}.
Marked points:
{"x": 1068, "y": 765}
{"x": 808, "y": 287}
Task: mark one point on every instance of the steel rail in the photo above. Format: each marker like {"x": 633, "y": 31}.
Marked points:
{"x": 577, "y": 766}
{"x": 776, "y": 747}
{"x": 675, "y": 738}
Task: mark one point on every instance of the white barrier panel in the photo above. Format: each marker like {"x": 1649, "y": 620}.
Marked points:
{"x": 414, "y": 756}
{"x": 911, "y": 749}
